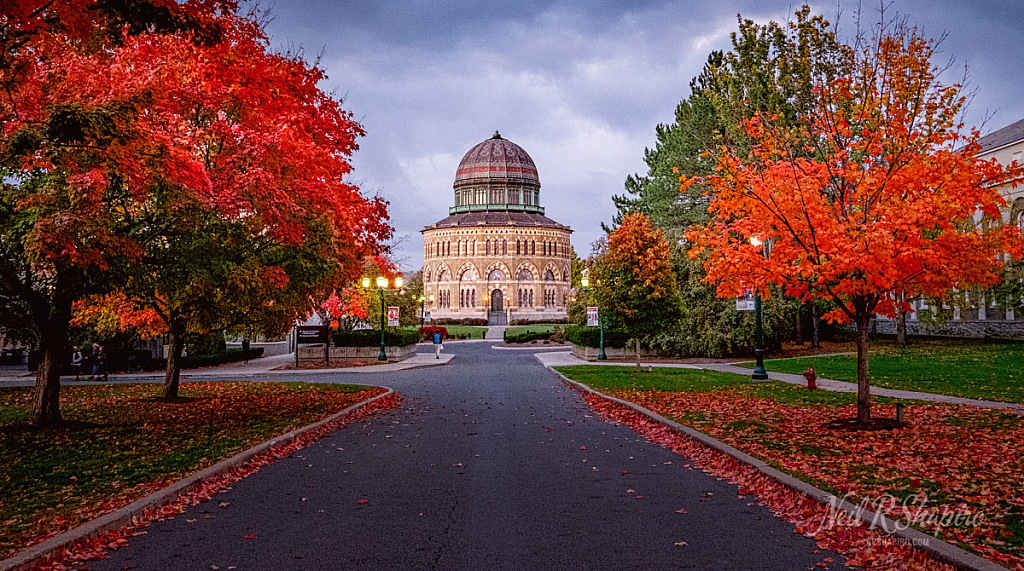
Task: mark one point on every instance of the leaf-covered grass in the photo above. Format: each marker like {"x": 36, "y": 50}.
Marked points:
{"x": 987, "y": 371}
{"x": 120, "y": 444}
{"x": 956, "y": 459}
{"x": 470, "y": 331}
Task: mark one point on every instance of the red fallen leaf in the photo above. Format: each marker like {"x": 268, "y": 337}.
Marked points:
{"x": 251, "y": 536}
{"x": 624, "y": 472}
{"x": 681, "y": 511}
{"x": 363, "y": 501}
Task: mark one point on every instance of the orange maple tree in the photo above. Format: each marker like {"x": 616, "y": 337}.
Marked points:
{"x": 874, "y": 195}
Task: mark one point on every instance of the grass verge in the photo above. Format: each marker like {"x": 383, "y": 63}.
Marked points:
{"x": 986, "y": 371}
{"x": 950, "y": 460}
{"x": 118, "y": 444}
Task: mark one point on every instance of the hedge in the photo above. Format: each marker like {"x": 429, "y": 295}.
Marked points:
{"x": 527, "y": 337}
{"x": 464, "y": 321}
{"x": 229, "y": 356}
{"x": 371, "y": 338}
{"x": 537, "y": 321}
{"x": 591, "y": 337}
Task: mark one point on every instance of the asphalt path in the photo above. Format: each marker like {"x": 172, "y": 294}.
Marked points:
{"x": 491, "y": 462}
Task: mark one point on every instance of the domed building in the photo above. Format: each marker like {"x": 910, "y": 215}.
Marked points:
{"x": 496, "y": 256}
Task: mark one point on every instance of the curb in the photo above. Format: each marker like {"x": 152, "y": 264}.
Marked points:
{"x": 933, "y": 546}
{"x": 29, "y": 558}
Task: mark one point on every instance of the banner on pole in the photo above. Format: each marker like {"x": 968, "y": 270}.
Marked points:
{"x": 745, "y": 302}
{"x": 592, "y": 317}
{"x": 393, "y": 317}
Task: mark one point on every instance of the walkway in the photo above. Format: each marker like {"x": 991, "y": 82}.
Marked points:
{"x": 496, "y": 332}
{"x": 489, "y": 463}
{"x": 563, "y": 359}
{"x": 262, "y": 367}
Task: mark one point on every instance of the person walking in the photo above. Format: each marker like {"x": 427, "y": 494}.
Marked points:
{"x": 76, "y": 363}
{"x": 94, "y": 356}
{"x": 437, "y": 344}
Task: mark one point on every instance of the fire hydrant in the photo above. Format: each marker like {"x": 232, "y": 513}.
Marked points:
{"x": 811, "y": 378}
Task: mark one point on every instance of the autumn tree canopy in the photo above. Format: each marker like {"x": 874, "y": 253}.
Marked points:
{"x": 125, "y": 130}
{"x": 874, "y": 194}
{"x": 634, "y": 282}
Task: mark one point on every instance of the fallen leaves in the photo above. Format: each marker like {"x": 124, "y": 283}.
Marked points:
{"x": 861, "y": 546}
{"x": 94, "y": 548}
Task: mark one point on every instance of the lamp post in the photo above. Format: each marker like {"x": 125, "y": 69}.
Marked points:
{"x": 382, "y": 284}
{"x": 601, "y": 356}
{"x": 423, "y": 309}
{"x": 760, "y": 373}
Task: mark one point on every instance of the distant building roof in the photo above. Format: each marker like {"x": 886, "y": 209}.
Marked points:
{"x": 1008, "y": 134}
{"x": 474, "y": 219}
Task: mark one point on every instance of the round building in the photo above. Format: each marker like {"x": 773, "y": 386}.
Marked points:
{"x": 496, "y": 256}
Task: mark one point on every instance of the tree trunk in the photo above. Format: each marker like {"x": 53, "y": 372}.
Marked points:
{"x": 637, "y": 341}
{"x": 863, "y": 378}
{"x": 901, "y": 329}
{"x": 52, "y": 339}
{"x": 177, "y": 344}
{"x": 816, "y": 337}
{"x": 800, "y": 324}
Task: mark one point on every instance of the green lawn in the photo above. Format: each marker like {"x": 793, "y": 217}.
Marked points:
{"x": 988, "y": 371}
{"x": 532, "y": 328}
{"x": 470, "y": 331}
{"x": 701, "y": 381}
{"x": 120, "y": 444}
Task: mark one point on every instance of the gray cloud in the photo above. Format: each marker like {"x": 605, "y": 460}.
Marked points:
{"x": 579, "y": 85}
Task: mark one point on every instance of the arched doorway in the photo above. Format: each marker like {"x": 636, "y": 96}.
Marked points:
{"x": 497, "y": 300}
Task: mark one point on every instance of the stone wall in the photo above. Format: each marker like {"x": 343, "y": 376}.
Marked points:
{"x": 961, "y": 328}
{"x": 309, "y": 354}
{"x": 590, "y": 353}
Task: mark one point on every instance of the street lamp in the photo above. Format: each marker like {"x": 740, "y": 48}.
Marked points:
{"x": 760, "y": 373}
{"x": 382, "y": 284}
{"x": 601, "y": 356}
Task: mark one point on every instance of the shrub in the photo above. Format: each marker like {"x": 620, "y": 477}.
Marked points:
{"x": 464, "y": 321}
{"x": 562, "y": 321}
{"x": 370, "y": 338}
{"x": 591, "y": 337}
{"x": 229, "y": 356}
{"x": 428, "y": 332}
{"x": 526, "y": 337}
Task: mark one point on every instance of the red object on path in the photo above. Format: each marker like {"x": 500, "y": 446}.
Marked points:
{"x": 811, "y": 378}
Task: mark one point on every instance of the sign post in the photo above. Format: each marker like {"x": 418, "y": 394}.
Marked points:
{"x": 745, "y": 302}
{"x": 310, "y": 335}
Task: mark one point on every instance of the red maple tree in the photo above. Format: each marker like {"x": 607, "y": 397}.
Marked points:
{"x": 874, "y": 196}
{"x": 121, "y": 124}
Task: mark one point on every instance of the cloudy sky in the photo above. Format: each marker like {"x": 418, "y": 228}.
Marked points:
{"x": 579, "y": 84}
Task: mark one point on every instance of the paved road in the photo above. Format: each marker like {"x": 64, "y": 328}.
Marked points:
{"x": 490, "y": 463}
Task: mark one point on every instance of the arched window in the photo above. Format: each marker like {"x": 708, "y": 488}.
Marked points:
{"x": 504, "y": 247}
{"x": 518, "y": 251}
{"x": 531, "y": 298}
{"x": 496, "y": 276}
{"x": 548, "y": 276}
{"x": 444, "y": 276}
{"x": 533, "y": 247}
{"x": 524, "y": 275}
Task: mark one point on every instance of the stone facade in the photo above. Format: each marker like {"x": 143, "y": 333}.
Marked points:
{"x": 496, "y": 256}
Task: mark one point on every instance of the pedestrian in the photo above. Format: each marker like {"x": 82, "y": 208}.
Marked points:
{"x": 103, "y": 363}
{"x": 95, "y": 358}
{"x": 245, "y": 350}
{"x": 437, "y": 344}
{"x": 76, "y": 362}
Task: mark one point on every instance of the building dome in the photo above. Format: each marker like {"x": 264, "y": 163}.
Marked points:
{"x": 496, "y": 160}
{"x": 496, "y": 258}
{"x": 497, "y": 175}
